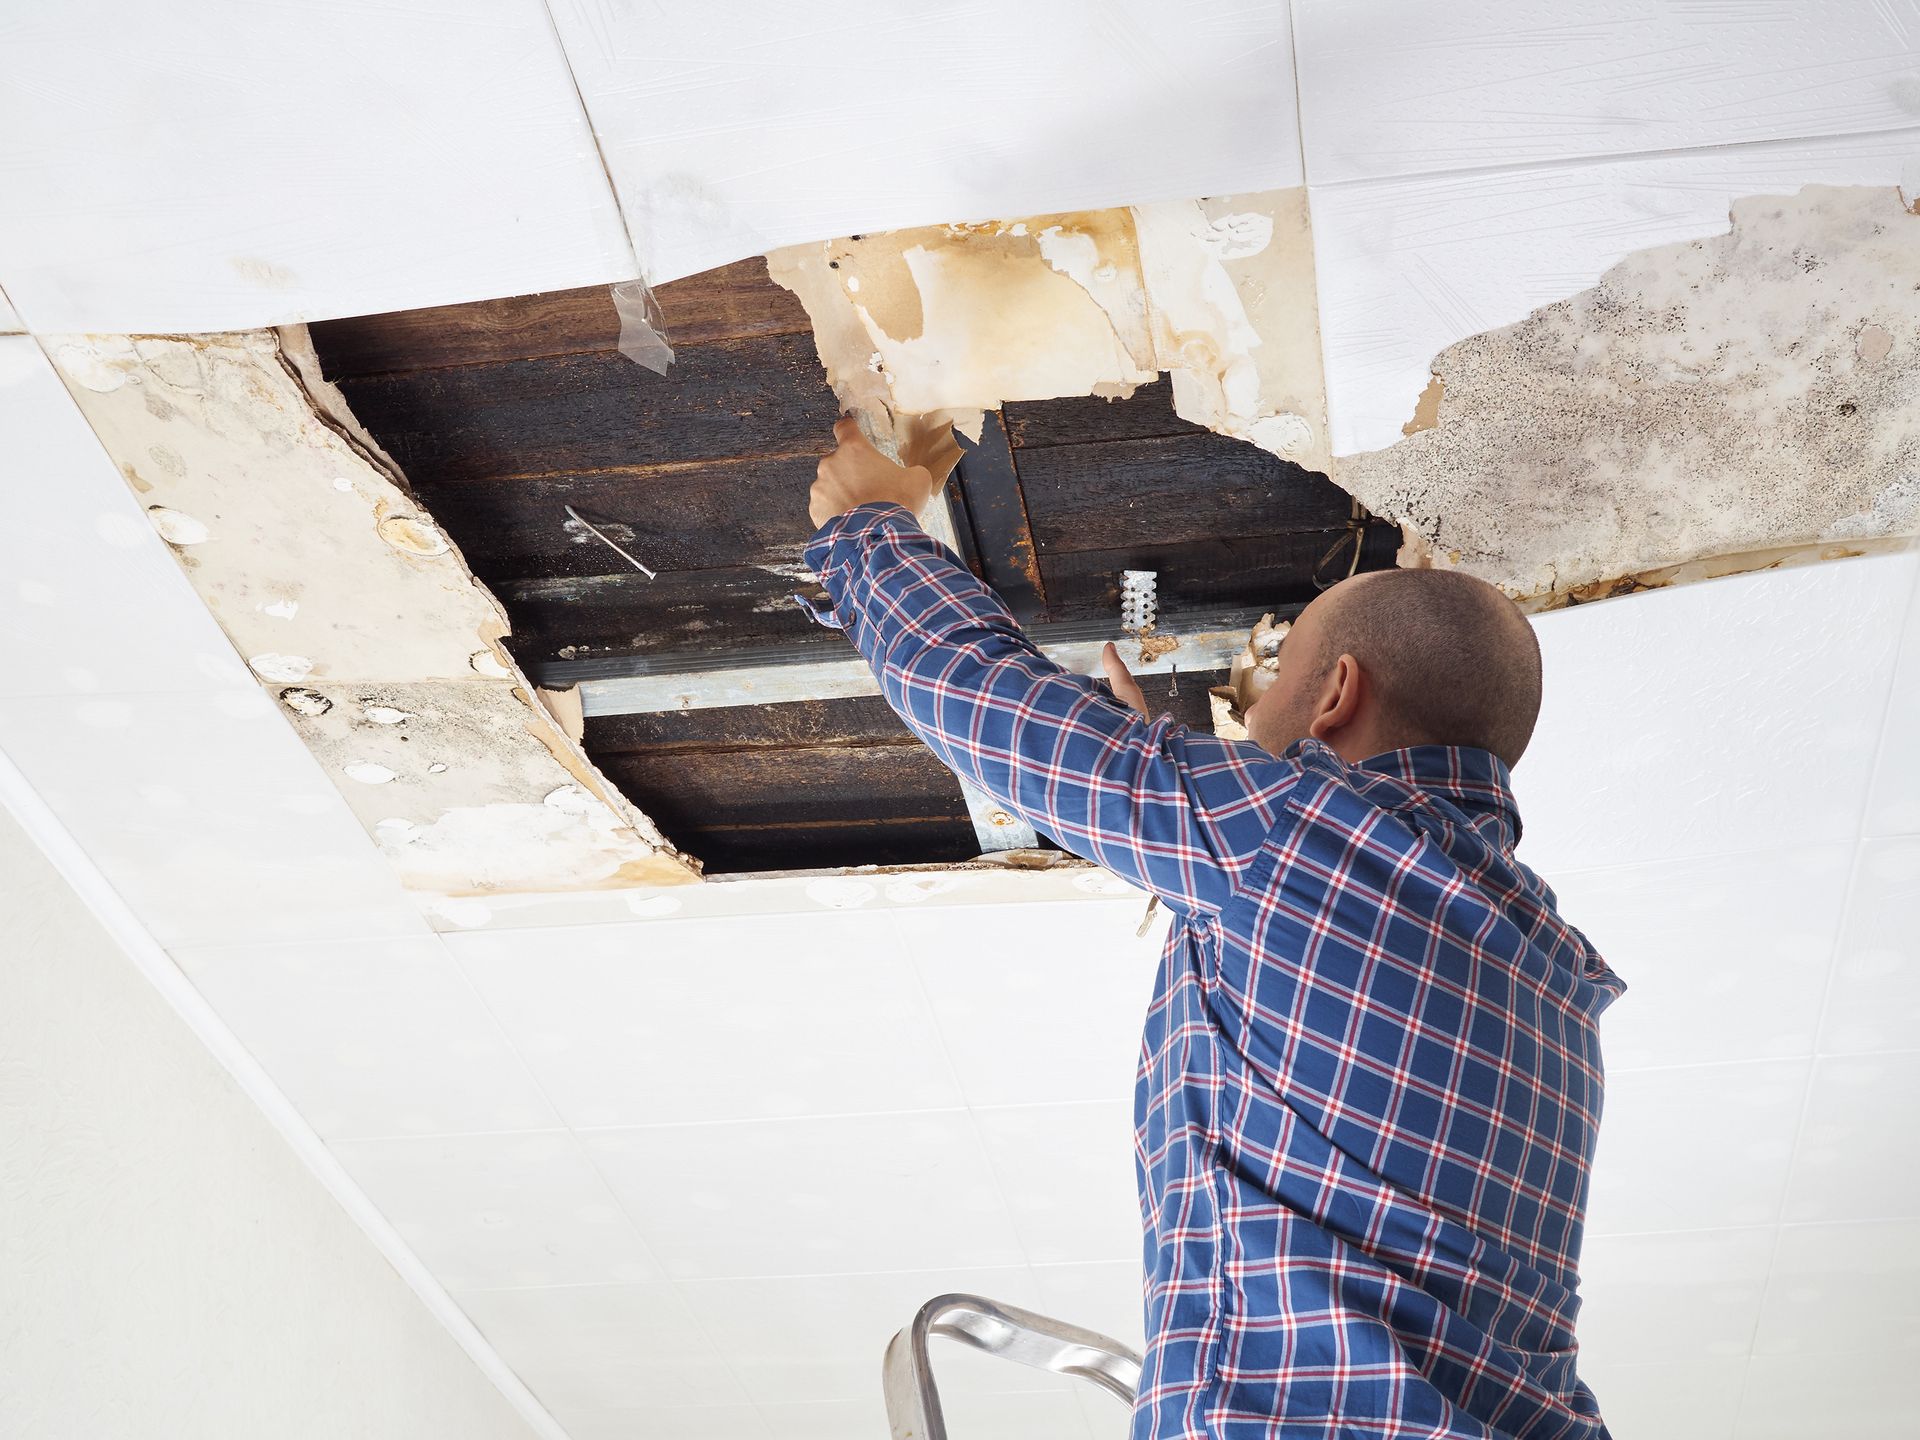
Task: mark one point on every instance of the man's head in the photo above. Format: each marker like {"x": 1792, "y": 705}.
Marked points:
{"x": 1395, "y": 658}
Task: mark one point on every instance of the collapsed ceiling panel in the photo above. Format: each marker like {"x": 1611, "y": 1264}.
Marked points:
{"x": 358, "y": 617}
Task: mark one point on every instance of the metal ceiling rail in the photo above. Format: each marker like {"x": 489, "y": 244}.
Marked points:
{"x": 629, "y": 685}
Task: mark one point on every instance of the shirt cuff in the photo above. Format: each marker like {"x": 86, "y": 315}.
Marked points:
{"x": 848, "y": 526}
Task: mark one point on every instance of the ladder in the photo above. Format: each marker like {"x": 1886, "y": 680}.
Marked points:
{"x": 913, "y": 1400}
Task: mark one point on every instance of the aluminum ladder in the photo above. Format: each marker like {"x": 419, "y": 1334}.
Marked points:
{"x": 913, "y": 1400}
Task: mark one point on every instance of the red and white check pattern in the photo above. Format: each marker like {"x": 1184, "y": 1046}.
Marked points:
{"x": 1370, "y": 1081}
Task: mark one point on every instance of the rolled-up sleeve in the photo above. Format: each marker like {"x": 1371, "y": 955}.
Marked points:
{"x": 1176, "y": 811}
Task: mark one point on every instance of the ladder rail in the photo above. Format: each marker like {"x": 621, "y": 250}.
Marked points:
{"x": 913, "y": 1397}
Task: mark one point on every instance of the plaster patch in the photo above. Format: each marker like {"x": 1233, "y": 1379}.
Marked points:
{"x": 463, "y": 789}
{"x": 1716, "y": 398}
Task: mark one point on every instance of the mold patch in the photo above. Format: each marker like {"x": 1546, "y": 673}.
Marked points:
{"x": 1744, "y": 393}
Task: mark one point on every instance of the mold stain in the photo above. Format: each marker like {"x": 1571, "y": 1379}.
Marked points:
{"x": 1735, "y": 396}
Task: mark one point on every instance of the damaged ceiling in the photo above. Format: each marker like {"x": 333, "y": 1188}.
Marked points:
{"x": 505, "y": 414}
{"x": 1141, "y": 388}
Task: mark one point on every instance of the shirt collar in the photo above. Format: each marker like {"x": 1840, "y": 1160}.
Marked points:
{"x": 1476, "y": 782}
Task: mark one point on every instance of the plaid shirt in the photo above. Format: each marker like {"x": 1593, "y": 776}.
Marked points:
{"x": 1371, "y": 1080}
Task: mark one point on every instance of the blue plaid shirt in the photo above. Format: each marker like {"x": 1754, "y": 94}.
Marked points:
{"x": 1371, "y": 1080}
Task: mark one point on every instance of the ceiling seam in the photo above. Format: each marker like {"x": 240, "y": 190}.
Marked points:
{"x": 1585, "y": 162}
{"x": 593, "y": 131}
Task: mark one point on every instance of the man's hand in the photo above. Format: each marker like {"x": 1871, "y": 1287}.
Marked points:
{"x": 857, "y": 474}
{"x": 1121, "y": 679}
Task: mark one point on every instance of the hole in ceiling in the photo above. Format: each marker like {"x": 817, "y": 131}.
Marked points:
{"x": 522, "y": 430}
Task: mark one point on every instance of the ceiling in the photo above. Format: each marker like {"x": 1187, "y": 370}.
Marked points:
{"x": 687, "y": 1158}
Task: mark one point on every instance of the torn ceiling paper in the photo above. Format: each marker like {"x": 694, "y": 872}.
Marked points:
{"x": 953, "y": 320}
{"x": 358, "y": 617}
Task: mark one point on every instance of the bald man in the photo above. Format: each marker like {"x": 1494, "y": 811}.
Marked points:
{"x": 1370, "y": 1081}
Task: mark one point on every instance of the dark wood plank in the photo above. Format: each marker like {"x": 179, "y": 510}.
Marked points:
{"x": 567, "y": 414}
{"x": 1257, "y": 573}
{"x": 786, "y": 787}
{"x": 1183, "y": 488}
{"x": 628, "y": 614}
{"x": 1082, "y": 419}
{"x": 857, "y": 720}
{"x": 695, "y": 517}
{"x": 752, "y": 846}
{"x": 996, "y": 515}
{"x": 728, "y": 303}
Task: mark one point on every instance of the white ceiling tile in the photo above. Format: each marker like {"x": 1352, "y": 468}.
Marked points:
{"x": 1680, "y": 1297}
{"x": 1725, "y": 957}
{"x": 208, "y": 815}
{"x": 9, "y": 318}
{"x": 807, "y": 1196}
{"x": 1406, "y": 267}
{"x": 1394, "y": 87}
{"x": 1706, "y": 1146}
{"x": 726, "y": 1019}
{"x": 370, "y": 1038}
{"x": 91, "y": 598}
{"x": 493, "y": 1211}
{"x": 1874, "y": 1002}
{"x": 1106, "y": 1296}
{"x": 1893, "y": 806}
{"x": 1699, "y": 1400}
{"x": 666, "y": 1422}
{"x": 1026, "y": 1415}
{"x": 605, "y": 1347}
{"x": 1859, "y": 1151}
{"x": 1004, "y": 978}
{"x": 235, "y": 165}
{"x": 1844, "y": 1290}
{"x": 727, "y": 139}
{"x": 1860, "y": 1397}
{"x": 821, "y": 1337}
{"x": 1067, "y": 1171}
{"x": 1679, "y": 722}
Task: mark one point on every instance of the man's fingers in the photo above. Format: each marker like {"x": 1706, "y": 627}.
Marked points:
{"x": 1121, "y": 679}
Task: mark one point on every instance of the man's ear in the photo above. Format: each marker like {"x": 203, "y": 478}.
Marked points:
{"x": 1341, "y": 698}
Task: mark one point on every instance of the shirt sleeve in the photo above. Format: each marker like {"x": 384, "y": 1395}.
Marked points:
{"x": 1174, "y": 810}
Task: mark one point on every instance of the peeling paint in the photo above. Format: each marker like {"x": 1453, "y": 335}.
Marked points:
{"x": 1724, "y": 397}
{"x": 375, "y": 640}
{"x": 948, "y": 321}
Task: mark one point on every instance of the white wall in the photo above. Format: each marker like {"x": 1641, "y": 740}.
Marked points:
{"x": 168, "y": 1266}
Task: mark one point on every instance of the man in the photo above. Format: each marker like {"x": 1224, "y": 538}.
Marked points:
{"x": 1370, "y": 1084}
